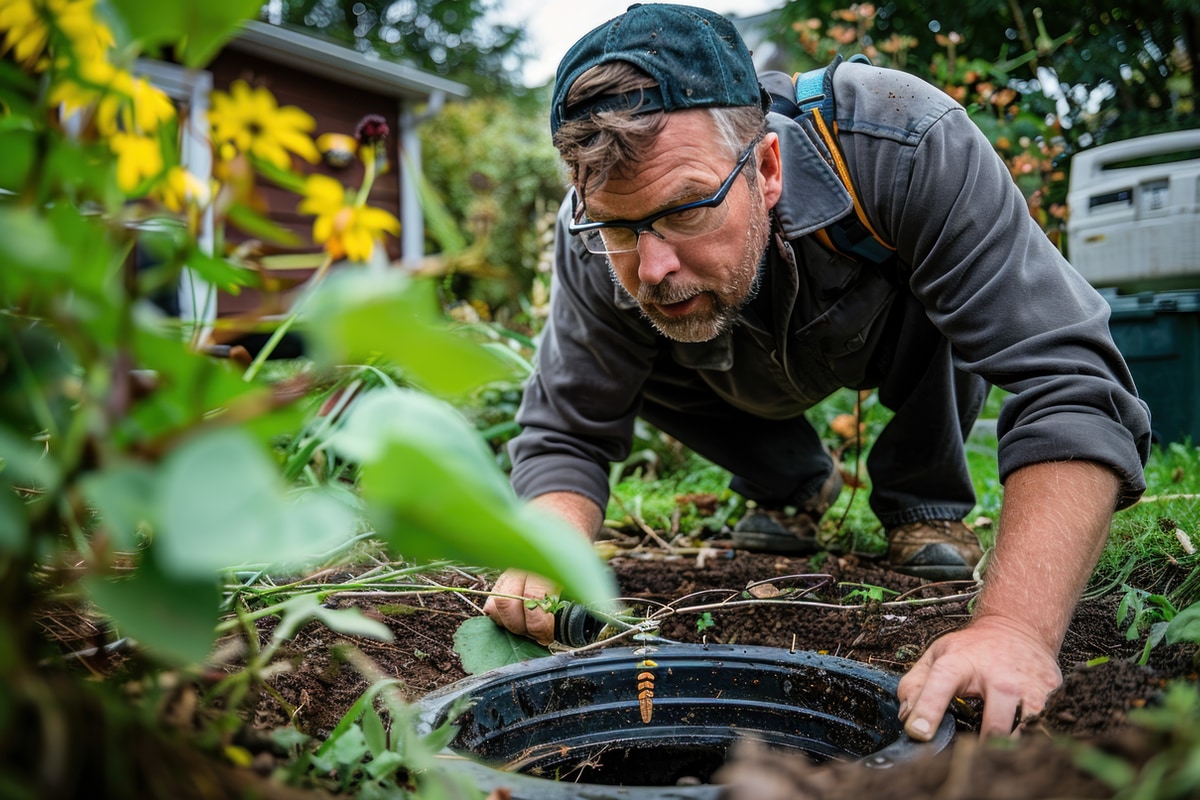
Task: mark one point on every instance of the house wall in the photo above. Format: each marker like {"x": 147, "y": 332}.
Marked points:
{"x": 337, "y": 108}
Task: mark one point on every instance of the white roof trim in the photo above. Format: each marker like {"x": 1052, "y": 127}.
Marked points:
{"x": 318, "y": 56}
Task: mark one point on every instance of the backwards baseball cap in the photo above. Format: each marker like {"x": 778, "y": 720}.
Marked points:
{"x": 698, "y": 58}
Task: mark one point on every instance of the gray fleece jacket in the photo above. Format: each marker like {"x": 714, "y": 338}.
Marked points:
{"x": 968, "y": 252}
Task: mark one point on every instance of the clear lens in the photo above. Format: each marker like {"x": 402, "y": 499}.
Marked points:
{"x": 610, "y": 240}
{"x": 678, "y": 227}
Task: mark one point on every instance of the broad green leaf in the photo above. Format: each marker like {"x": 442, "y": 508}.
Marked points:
{"x": 434, "y": 491}
{"x": 124, "y": 496}
{"x": 484, "y": 646}
{"x": 196, "y": 28}
{"x": 1185, "y": 627}
{"x": 17, "y": 147}
{"x": 190, "y": 387}
{"x": 23, "y": 463}
{"x": 14, "y": 524}
{"x": 223, "y": 504}
{"x": 29, "y": 243}
{"x": 356, "y": 317}
{"x": 174, "y": 617}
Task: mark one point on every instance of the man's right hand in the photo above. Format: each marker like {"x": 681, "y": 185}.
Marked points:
{"x": 511, "y": 613}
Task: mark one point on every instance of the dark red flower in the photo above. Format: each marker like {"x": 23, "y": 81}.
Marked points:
{"x": 371, "y": 129}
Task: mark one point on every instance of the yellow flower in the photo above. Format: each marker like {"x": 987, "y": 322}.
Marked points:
{"x": 254, "y": 123}
{"x": 138, "y": 158}
{"x": 150, "y": 106}
{"x": 180, "y": 189}
{"x": 122, "y": 102}
{"x": 345, "y": 229}
{"x": 27, "y": 34}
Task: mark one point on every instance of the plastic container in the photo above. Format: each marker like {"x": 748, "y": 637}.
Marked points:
{"x": 1158, "y": 333}
{"x": 573, "y": 726}
{"x": 1135, "y": 213}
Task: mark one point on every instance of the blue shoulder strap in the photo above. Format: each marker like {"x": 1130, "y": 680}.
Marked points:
{"x": 813, "y": 92}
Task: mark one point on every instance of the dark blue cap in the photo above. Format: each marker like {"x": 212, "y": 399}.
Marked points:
{"x": 697, "y": 56}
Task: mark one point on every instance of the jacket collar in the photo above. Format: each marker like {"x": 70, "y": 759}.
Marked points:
{"x": 813, "y": 196}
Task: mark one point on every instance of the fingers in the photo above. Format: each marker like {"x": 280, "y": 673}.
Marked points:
{"x": 511, "y": 612}
{"x": 1011, "y": 676}
{"x": 925, "y": 693}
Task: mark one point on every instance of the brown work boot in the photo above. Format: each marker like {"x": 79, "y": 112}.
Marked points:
{"x": 790, "y": 530}
{"x": 935, "y": 549}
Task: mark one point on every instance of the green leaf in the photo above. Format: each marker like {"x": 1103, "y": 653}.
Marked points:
{"x": 483, "y": 646}
{"x": 350, "y": 747}
{"x": 1185, "y": 627}
{"x": 443, "y": 228}
{"x": 434, "y": 491}
{"x": 174, "y": 617}
{"x": 226, "y": 276}
{"x": 196, "y": 28}
{"x": 17, "y": 148}
{"x": 356, "y": 317}
{"x": 284, "y": 178}
{"x": 374, "y": 732}
{"x": 301, "y": 609}
{"x": 124, "y": 496}
{"x": 14, "y": 524}
{"x": 384, "y": 764}
{"x": 223, "y": 504}
{"x": 251, "y": 222}
{"x": 29, "y": 243}
{"x": 23, "y": 463}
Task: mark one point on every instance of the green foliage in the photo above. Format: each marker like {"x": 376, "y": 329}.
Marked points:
{"x": 1185, "y": 626}
{"x": 369, "y": 758}
{"x": 433, "y": 490}
{"x": 194, "y": 31}
{"x": 158, "y": 472}
{"x": 494, "y": 167}
{"x": 1143, "y": 610}
{"x": 1041, "y": 82}
{"x": 454, "y": 38}
{"x": 483, "y": 646}
{"x": 671, "y": 489}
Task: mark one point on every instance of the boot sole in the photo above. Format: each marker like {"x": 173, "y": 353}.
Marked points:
{"x": 936, "y": 572}
{"x": 773, "y": 543}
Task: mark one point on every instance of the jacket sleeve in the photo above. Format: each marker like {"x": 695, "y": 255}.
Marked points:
{"x": 1014, "y": 309}
{"x": 580, "y": 403}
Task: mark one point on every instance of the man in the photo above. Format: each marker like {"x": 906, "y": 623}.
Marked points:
{"x": 692, "y": 289}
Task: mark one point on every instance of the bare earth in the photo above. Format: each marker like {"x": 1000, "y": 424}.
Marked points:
{"x": 1091, "y": 707}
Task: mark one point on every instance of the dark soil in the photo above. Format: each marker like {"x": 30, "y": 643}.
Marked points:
{"x": 1091, "y": 707}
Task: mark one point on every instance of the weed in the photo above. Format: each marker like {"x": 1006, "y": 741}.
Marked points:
{"x": 1144, "y": 610}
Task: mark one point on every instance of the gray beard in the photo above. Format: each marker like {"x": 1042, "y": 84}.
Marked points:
{"x": 728, "y": 302}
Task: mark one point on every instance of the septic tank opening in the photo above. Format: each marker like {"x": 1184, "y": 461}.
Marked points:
{"x": 612, "y": 719}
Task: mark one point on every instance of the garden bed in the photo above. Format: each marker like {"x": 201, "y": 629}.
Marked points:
{"x": 1103, "y": 683}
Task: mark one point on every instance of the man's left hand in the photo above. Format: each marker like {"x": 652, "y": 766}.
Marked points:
{"x": 1010, "y": 669}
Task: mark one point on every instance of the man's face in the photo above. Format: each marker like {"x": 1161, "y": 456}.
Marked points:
{"x": 690, "y": 289}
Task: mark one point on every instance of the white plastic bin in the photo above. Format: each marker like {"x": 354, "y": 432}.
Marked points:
{"x": 1135, "y": 213}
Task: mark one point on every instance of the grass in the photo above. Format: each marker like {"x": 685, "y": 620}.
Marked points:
{"x": 1147, "y": 547}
